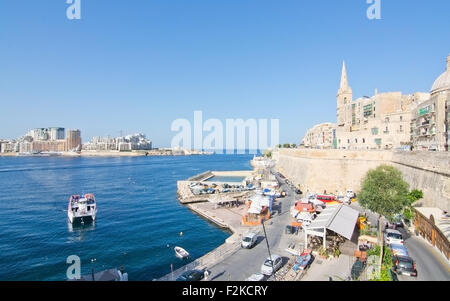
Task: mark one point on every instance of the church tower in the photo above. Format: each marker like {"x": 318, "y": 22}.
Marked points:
{"x": 344, "y": 97}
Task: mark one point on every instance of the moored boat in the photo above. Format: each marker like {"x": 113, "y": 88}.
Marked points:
{"x": 181, "y": 253}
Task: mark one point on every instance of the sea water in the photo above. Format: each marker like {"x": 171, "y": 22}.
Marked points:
{"x": 139, "y": 218}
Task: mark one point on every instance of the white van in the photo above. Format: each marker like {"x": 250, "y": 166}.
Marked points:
{"x": 249, "y": 240}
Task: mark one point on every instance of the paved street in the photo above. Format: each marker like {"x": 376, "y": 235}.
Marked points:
{"x": 244, "y": 263}
{"x": 431, "y": 266}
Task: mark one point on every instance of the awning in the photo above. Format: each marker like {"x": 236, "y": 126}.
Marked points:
{"x": 339, "y": 218}
{"x": 258, "y": 202}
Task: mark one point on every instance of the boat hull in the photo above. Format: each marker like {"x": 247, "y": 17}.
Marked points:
{"x": 81, "y": 219}
{"x": 181, "y": 253}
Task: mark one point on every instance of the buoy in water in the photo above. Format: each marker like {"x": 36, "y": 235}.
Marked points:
{"x": 181, "y": 233}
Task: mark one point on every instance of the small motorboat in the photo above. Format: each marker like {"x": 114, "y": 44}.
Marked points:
{"x": 181, "y": 253}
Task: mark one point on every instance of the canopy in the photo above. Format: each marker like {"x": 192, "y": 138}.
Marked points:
{"x": 338, "y": 218}
{"x": 258, "y": 202}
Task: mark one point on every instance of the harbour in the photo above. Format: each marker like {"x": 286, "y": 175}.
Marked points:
{"x": 138, "y": 223}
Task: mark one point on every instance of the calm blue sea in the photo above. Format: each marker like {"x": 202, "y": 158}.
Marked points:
{"x": 138, "y": 214}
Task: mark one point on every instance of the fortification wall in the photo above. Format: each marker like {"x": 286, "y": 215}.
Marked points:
{"x": 336, "y": 171}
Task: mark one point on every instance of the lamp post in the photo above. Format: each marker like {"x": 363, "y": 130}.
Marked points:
{"x": 268, "y": 249}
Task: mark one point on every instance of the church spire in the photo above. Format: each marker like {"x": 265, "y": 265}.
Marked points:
{"x": 344, "y": 81}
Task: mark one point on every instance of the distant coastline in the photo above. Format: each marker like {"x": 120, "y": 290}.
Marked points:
{"x": 149, "y": 153}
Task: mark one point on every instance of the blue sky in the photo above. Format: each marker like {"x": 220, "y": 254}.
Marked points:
{"x": 135, "y": 66}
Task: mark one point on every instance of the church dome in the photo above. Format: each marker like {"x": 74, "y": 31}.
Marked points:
{"x": 442, "y": 83}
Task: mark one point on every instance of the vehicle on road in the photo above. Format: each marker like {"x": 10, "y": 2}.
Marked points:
{"x": 249, "y": 240}
{"x": 271, "y": 265}
{"x": 306, "y": 218}
{"x": 397, "y": 222}
{"x": 344, "y": 199}
{"x": 326, "y": 198}
{"x": 398, "y": 250}
{"x": 350, "y": 194}
{"x": 192, "y": 275}
{"x": 393, "y": 237}
{"x": 404, "y": 265}
{"x": 256, "y": 277}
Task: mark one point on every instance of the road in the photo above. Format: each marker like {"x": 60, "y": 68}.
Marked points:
{"x": 244, "y": 263}
{"x": 430, "y": 265}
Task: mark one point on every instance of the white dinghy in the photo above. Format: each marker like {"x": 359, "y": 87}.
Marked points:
{"x": 181, "y": 253}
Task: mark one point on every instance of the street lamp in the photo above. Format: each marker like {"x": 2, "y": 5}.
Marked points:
{"x": 268, "y": 249}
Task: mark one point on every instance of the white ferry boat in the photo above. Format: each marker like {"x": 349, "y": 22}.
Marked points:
{"x": 82, "y": 209}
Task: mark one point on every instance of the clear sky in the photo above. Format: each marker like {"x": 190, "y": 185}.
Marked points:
{"x": 135, "y": 66}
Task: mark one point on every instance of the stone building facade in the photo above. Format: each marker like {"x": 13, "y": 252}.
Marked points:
{"x": 379, "y": 122}
{"x": 391, "y": 120}
{"x": 430, "y": 121}
{"x": 321, "y": 136}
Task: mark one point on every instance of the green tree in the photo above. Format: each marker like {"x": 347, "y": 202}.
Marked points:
{"x": 286, "y": 145}
{"x": 384, "y": 191}
{"x": 294, "y": 145}
{"x": 268, "y": 154}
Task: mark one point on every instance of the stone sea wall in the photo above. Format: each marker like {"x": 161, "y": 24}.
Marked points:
{"x": 336, "y": 171}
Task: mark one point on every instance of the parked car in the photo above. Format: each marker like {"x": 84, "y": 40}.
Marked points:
{"x": 393, "y": 237}
{"x": 192, "y": 275}
{"x": 249, "y": 240}
{"x": 398, "y": 250}
{"x": 256, "y": 277}
{"x": 404, "y": 265}
{"x": 397, "y": 222}
{"x": 267, "y": 269}
{"x": 350, "y": 194}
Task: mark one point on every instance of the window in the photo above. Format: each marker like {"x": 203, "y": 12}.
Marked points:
{"x": 374, "y": 131}
{"x": 401, "y": 128}
{"x": 364, "y": 140}
{"x": 401, "y": 118}
{"x": 348, "y": 141}
{"x": 356, "y": 140}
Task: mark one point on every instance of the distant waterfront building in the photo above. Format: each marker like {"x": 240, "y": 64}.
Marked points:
{"x": 73, "y": 140}
{"x": 48, "y": 146}
{"x": 9, "y": 147}
{"x": 431, "y": 120}
{"x": 321, "y": 136}
{"x": 57, "y": 133}
{"x": 127, "y": 143}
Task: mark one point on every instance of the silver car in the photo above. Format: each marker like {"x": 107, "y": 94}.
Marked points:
{"x": 267, "y": 269}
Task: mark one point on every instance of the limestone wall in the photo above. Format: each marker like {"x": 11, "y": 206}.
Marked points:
{"x": 338, "y": 170}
